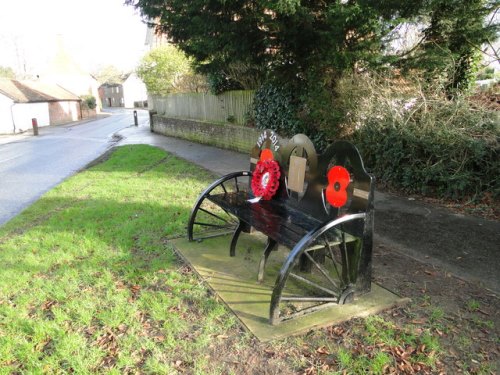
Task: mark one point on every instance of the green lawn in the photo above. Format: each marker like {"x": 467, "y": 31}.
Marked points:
{"x": 89, "y": 284}
{"x": 88, "y": 281}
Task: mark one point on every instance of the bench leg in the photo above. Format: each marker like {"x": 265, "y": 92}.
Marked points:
{"x": 241, "y": 226}
{"x": 271, "y": 244}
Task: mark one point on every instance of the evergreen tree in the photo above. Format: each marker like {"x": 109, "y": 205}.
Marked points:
{"x": 452, "y": 43}
{"x": 282, "y": 39}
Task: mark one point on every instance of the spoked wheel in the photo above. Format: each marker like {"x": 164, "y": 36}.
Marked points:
{"x": 210, "y": 220}
{"x": 319, "y": 271}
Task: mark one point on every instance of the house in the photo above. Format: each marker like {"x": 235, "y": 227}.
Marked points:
{"x": 130, "y": 93}
{"x": 21, "y": 101}
{"x": 134, "y": 91}
{"x": 111, "y": 95}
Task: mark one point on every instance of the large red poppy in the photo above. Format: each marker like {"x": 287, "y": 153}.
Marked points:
{"x": 338, "y": 181}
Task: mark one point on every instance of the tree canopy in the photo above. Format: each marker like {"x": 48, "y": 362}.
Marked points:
{"x": 453, "y": 39}
{"x": 296, "y": 53}
{"x": 166, "y": 69}
{"x": 7, "y": 72}
{"x": 289, "y": 40}
{"x": 286, "y": 37}
{"x": 108, "y": 74}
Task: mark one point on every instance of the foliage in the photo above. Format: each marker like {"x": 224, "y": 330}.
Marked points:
{"x": 163, "y": 70}
{"x": 276, "y": 108}
{"x": 219, "y": 82}
{"x": 281, "y": 39}
{"x": 451, "y": 45}
{"x": 89, "y": 101}
{"x": 192, "y": 82}
{"x": 424, "y": 143}
{"x": 486, "y": 73}
{"x": 7, "y": 72}
{"x": 302, "y": 53}
{"x": 108, "y": 74}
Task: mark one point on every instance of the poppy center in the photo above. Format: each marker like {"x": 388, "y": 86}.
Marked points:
{"x": 265, "y": 180}
{"x": 336, "y": 186}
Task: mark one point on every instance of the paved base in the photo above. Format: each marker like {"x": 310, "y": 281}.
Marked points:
{"x": 234, "y": 280}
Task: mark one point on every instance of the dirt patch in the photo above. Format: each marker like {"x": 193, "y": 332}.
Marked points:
{"x": 461, "y": 316}
{"x": 464, "y": 315}
{"x": 487, "y": 207}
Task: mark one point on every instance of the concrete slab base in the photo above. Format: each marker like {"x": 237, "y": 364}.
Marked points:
{"x": 234, "y": 280}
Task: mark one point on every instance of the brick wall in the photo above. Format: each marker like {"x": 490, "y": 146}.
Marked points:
{"x": 64, "y": 112}
{"x": 230, "y": 137}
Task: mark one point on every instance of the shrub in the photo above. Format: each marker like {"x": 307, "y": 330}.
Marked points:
{"x": 276, "y": 108}
{"x": 219, "y": 83}
{"x": 424, "y": 143}
{"x": 89, "y": 101}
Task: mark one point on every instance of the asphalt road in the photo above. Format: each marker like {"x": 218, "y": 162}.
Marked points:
{"x": 30, "y": 166}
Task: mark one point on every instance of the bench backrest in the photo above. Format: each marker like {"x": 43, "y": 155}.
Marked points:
{"x": 306, "y": 176}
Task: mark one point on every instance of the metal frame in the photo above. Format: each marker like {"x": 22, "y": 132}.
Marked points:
{"x": 337, "y": 252}
{"x": 232, "y": 226}
{"x": 301, "y": 249}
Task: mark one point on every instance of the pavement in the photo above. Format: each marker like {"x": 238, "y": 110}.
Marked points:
{"x": 47, "y": 130}
{"x": 465, "y": 246}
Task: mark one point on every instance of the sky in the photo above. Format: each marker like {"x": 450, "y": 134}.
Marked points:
{"x": 94, "y": 32}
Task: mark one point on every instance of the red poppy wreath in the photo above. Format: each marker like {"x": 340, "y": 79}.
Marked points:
{"x": 266, "y": 178}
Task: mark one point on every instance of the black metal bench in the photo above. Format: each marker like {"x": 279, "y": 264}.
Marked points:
{"x": 321, "y": 208}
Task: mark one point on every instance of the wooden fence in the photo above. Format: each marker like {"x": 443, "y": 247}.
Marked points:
{"x": 231, "y": 106}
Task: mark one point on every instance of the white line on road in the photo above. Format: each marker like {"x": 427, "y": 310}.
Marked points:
{"x": 14, "y": 157}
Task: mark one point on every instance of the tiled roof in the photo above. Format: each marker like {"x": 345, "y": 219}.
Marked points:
{"x": 34, "y": 91}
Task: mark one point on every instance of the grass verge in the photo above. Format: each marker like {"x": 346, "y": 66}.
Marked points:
{"x": 89, "y": 284}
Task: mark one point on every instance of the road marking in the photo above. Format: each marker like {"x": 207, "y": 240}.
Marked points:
{"x": 14, "y": 157}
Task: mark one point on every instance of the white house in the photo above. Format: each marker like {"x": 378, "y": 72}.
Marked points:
{"x": 22, "y": 101}
{"x": 134, "y": 90}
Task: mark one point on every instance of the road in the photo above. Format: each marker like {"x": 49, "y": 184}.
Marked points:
{"x": 30, "y": 166}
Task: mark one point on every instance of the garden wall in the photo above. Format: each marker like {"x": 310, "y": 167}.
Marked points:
{"x": 232, "y": 137}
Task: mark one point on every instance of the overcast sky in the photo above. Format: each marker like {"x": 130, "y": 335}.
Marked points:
{"x": 95, "y": 32}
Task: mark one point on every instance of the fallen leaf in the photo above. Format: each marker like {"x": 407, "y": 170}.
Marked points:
{"x": 417, "y": 321}
{"x": 322, "y": 350}
{"x": 47, "y": 305}
{"x": 269, "y": 351}
{"x": 122, "y": 327}
{"x": 338, "y": 331}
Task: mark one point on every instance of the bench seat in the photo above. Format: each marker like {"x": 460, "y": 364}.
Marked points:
{"x": 274, "y": 218}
